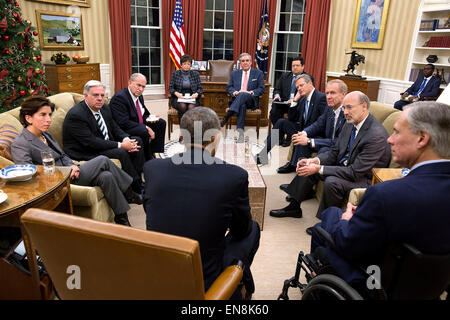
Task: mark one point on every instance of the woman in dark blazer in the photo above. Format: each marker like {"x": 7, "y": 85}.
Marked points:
{"x": 185, "y": 81}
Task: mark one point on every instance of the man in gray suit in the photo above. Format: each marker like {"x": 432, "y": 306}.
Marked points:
{"x": 35, "y": 115}
{"x": 360, "y": 147}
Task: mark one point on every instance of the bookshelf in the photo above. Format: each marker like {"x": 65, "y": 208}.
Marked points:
{"x": 434, "y": 40}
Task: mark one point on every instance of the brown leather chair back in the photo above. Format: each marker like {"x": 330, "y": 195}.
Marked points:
{"x": 116, "y": 262}
{"x": 221, "y": 68}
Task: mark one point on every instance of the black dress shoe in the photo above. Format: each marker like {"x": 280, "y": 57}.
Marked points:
{"x": 281, "y": 213}
{"x": 133, "y": 197}
{"x": 289, "y": 198}
{"x": 223, "y": 121}
{"x": 286, "y": 143}
{"x": 261, "y": 160}
{"x": 122, "y": 219}
{"x": 309, "y": 231}
{"x": 287, "y": 168}
{"x": 284, "y": 187}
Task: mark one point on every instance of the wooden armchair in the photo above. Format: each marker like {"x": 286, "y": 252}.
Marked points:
{"x": 118, "y": 262}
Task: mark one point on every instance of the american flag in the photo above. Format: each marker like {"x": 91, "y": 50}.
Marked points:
{"x": 177, "y": 43}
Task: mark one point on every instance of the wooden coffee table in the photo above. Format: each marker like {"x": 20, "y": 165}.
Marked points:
{"x": 234, "y": 153}
{"x": 385, "y": 174}
{"x": 45, "y": 191}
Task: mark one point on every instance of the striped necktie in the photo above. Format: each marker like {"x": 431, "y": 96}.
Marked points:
{"x": 421, "y": 87}
{"x": 101, "y": 125}
{"x": 344, "y": 159}
{"x": 306, "y": 109}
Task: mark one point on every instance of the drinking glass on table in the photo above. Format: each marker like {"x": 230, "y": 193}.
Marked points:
{"x": 48, "y": 162}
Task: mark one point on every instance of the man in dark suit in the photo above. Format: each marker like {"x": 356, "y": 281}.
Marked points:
{"x": 426, "y": 87}
{"x": 412, "y": 210}
{"x": 285, "y": 91}
{"x": 245, "y": 86}
{"x": 320, "y": 135}
{"x": 348, "y": 164}
{"x": 129, "y": 112}
{"x": 308, "y": 105}
{"x": 198, "y": 196}
{"x": 89, "y": 130}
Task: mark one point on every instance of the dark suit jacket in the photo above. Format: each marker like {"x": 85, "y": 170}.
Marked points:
{"x": 413, "y": 210}
{"x": 82, "y": 138}
{"x": 430, "y": 90}
{"x": 283, "y": 86}
{"x": 316, "y": 108}
{"x": 198, "y": 201}
{"x": 369, "y": 150}
{"x": 125, "y": 115}
{"x": 176, "y": 82}
{"x": 322, "y": 129}
{"x": 255, "y": 83}
{"x": 26, "y": 148}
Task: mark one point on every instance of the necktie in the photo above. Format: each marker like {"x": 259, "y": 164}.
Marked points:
{"x": 421, "y": 87}
{"x": 244, "y": 84}
{"x": 306, "y": 109}
{"x": 349, "y": 148}
{"x": 139, "y": 112}
{"x": 101, "y": 125}
{"x": 293, "y": 88}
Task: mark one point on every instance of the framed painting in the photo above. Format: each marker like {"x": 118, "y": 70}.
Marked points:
{"x": 80, "y": 3}
{"x": 59, "y": 31}
{"x": 370, "y": 24}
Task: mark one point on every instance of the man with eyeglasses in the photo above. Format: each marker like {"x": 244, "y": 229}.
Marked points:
{"x": 348, "y": 164}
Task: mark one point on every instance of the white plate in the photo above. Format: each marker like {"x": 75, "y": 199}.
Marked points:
{"x": 3, "y": 197}
{"x": 152, "y": 118}
{"x": 19, "y": 172}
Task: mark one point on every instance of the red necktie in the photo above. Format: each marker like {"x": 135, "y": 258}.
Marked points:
{"x": 244, "y": 84}
{"x": 139, "y": 112}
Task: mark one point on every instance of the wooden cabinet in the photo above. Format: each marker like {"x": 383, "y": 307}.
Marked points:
{"x": 71, "y": 77}
{"x": 368, "y": 87}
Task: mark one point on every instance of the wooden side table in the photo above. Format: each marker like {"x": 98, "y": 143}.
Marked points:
{"x": 45, "y": 191}
{"x": 368, "y": 87}
{"x": 385, "y": 174}
{"x": 71, "y": 77}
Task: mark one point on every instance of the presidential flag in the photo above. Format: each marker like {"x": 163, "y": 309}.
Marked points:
{"x": 177, "y": 43}
{"x": 262, "y": 42}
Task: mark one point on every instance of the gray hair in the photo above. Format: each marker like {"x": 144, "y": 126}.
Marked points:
{"x": 305, "y": 77}
{"x": 92, "y": 83}
{"x": 434, "y": 118}
{"x": 245, "y": 54}
{"x": 362, "y": 98}
{"x": 342, "y": 86}
{"x": 136, "y": 75}
{"x": 208, "y": 120}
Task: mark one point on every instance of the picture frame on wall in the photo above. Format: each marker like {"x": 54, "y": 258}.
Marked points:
{"x": 80, "y": 3}
{"x": 59, "y": 31}
{"x": 370, "y": 24}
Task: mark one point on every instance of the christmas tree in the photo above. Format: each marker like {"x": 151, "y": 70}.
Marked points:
{"x": 21, "y": 73}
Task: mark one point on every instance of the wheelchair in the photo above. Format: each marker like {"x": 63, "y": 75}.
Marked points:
{"x": 405, "y": 275}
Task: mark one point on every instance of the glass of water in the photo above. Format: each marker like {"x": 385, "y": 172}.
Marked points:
{"x": 48, "y": 162}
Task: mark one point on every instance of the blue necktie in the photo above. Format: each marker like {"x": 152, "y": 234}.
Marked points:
{"x": 306, "y": 109}
{"x": 293, "y": 88}
{"x": 421, "y": 87}
{"x": 349, "y": 148}
{"x": 101, "y": 125}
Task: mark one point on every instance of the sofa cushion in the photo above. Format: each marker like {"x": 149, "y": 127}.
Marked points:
{"x": 389, "y": 122}
{"x": 7, "y": 135}
{"x": 8, "y": 118}
{"x": 380, "y": 111}
{"x": 62, "y": 100}
{"x": 56, "y": 127}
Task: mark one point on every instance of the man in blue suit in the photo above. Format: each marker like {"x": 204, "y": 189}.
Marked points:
{"x": 198, "y": 196}
{"x": 245, "y": 86}
{"x": 321, "y": 134}
{"x": 413, "y": 209}
{"x": 426, "y": 87}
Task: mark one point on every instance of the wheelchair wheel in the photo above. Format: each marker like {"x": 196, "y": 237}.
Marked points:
{"x": 328, "y": 286}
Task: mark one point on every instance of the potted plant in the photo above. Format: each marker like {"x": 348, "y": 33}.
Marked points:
{"x": 60, "y": 58}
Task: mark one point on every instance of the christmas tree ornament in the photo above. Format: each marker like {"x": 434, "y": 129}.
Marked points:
{"x": 22, "y": 92}
{"x": 37, "y": 70}
{"x": 19, "y": 79}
